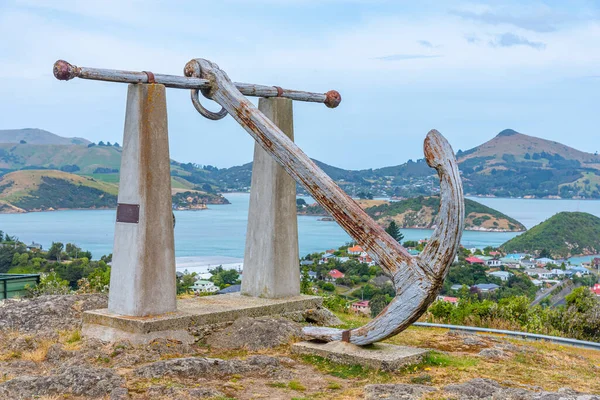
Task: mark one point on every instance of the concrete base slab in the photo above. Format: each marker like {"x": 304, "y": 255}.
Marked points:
{"x": 382, "y": 356}
{"x": 194, "y": 312}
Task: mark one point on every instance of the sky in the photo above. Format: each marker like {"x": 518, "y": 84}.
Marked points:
{"x": 467, "y": 69}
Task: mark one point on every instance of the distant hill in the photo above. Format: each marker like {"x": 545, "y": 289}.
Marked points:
{"x": 420, "y": 212}
{"x": 565, "y": 234}
{"x": 38, "y": 136}
{"x": 516, "y": 165}
{"x": 509, "y": 165}
{"x": 35, "y": 190}
{"x": 43, "y": 190}
{"x": 68, "y": 157}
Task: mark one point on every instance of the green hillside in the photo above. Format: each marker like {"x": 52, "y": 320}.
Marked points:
{"x": 420, "y": 212}
{"x": 71, "y": 158}
{"x": 565, "y": 234}
{"x": 37, "y": 136}
{"x": 516, "y": 165}
{"x": 41, "y": 190}
{"x": 509, "y": 165}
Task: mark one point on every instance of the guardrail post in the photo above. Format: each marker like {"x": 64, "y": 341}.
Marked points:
{"x": 271, "y": 267}
{"x": 143, "y": 267}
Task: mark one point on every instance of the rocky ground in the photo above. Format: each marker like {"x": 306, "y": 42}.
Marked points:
{"x": 43, "y": 356}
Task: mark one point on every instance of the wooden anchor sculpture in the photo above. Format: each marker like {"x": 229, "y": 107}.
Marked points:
{"x": 417, "y": 279}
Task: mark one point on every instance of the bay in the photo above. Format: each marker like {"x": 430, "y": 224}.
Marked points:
{"x": 221, "y": 229}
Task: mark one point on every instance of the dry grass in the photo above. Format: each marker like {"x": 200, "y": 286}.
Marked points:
{"x": 548, "y": 365}
{"x": 542, "y": 364}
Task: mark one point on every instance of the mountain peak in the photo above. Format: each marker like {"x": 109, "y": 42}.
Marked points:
{"x": 507, "y": 132}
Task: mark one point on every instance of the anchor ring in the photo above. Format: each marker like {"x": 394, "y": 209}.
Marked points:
{"x": 215, "y": 116}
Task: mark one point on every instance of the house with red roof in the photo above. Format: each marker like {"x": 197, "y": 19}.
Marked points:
{"x": 365, "y": 258}
{"x": 474, "y": 260}
{"x": 334, "y": 274}
{"x": 355, "y": 250}
{"x": 495, "y": 253}
{"x": 453, "y": 300}
{"x": 361, "y": 307}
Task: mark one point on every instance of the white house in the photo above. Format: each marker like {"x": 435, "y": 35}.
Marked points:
{"x": 326, "y": 258}
{"x": 202, "y": 286}
{"x": 503, "y": 275}
{"x": 493, "y": 263}
{"x": 204, "y": 276}
{"x": 541, "y": 272}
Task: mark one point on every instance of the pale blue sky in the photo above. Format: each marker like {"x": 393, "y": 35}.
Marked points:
{"x": 468, "y": 69}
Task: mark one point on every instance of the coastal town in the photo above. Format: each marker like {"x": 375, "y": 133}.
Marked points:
{"x": 351, "y": 274}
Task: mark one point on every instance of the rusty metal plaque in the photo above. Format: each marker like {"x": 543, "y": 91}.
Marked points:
{"x": 346, "y": 336}
{"x": 128, "y": 213}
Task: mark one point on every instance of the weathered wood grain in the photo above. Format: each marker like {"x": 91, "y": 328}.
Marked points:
{"x": 66, "y": 71}
{"x": 417, "y": 279}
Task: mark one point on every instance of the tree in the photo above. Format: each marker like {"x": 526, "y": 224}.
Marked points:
{"x": 116, "y": 145}
{"x": 545, "y": 253}
{"x": 91, "y": 145}
{"x": 305, "y": 284}
{"x": 184, "y": 283}
{"x": 224, "y": 277}
{"x": 582, "y": 299}
{"x": 7, "y": 254}
{"x": 394, "y": 231}
{"x": 300, "y": 202}
{"x": 55, "y": 251}
{"x": 50, "y": 283}
{"x": 377, "y": 304}
{"x": 101, "y": 143}
{"x": 23, "y": 142}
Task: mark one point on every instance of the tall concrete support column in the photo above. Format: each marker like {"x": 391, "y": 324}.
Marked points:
{"x": 271, "y": 258}
{"x": 142, "y": 280}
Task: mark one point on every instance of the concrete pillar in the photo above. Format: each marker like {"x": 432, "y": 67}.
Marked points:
{"x": 271, "y": 259}
{"x": 142, "y": 280}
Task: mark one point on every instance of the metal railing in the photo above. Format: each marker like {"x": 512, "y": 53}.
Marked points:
{"x": 516, "y": 334}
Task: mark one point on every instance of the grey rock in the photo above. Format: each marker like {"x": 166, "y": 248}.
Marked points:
{"x": 296, "y": 316}
{"x": 56, "y": 353}
{"x": 89, "y": 381}
{"x": 473, "y": 341}
{"x": 475, "y": 389}
{"x": 22, "y": 343}
{"x": 492, "y": 353}
{"x": 160, "y": 391}
{"x": 396, "y": 391}
{"x": 200, "y": 367}
{"x": 255, "y": 334}
{"x": 18, "y": 367}
{"x": 47, "y": 314}
{"x": 322, "y": 317}
{"x": 488, "y": 389}
{"x": 200, "y": 393}
{"x": 163, "y": 347}
{"x": 120, "y": 394}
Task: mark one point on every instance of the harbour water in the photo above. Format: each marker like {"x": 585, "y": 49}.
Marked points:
{"x": 221, "y": 229}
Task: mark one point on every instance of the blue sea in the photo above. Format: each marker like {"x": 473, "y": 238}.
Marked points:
{"x": 221, "y": 229}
